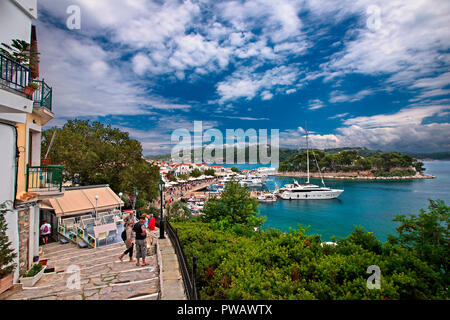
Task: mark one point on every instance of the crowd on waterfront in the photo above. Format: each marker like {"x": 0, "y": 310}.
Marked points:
{"x": 179, "y": 191}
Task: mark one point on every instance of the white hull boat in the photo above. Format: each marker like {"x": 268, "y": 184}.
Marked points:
{"x": 308, "y": 191}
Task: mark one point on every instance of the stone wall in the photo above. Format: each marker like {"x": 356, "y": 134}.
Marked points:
{"x": 24, "y": 235}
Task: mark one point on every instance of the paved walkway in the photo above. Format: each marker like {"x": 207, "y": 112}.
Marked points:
{"x": 104, "y": 277}
{"x": 172, "y": 283}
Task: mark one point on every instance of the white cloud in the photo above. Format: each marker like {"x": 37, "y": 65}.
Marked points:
{"x": 337, "y": 96}
{"x": 88, "y": 80}
{"x": 247, "y": 83}
{"x": 407, "y": 46}
{"x": 401, "y": 131}
{"x": 315, "y": 104}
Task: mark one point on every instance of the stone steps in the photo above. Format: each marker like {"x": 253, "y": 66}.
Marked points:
{"x": 113, "y": 291}
{"x": 102, "y": 275}
{"x": 84, "y": 253}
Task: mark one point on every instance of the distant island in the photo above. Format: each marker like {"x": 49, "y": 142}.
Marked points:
{"x": 358, "y": 163}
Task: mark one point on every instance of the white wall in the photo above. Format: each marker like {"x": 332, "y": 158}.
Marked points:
{"x": 33, "y": 244}
{"x": 7, "y": 184}
{"x": 7, "y": 162}
{"x": 14, "y": 22}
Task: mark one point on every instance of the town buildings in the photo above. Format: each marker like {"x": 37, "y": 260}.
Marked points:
{"x": 25, "y": 181}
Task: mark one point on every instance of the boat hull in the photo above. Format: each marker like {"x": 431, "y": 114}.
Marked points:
{"x": 311, "y": 195}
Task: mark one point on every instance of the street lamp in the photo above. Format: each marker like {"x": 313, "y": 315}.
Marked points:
{"x": 161, "y": 222}
{"x": 96, "y": 199}
{"x": 120, "y": 201}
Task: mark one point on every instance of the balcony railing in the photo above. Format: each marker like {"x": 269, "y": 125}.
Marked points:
{"x": 44, "y": 178}
{"x": 13, "y": 75}
{"x": 43, "y": 96}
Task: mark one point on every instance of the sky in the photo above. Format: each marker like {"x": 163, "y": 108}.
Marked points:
{"x": 362, "y": 73}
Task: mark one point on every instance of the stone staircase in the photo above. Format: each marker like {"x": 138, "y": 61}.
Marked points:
{"x": 102, "y": 276}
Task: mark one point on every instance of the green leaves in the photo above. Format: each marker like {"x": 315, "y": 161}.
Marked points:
{"x": 234, "y": 208}
{"x": 102, "y": 155}
{"x": 7, "y": 254}
{"x": 270, "y": 264}
{"x": 19, "y": 51}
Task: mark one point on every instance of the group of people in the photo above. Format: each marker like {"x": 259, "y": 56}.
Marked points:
{"x": 175, "y": 193}
{"x": 135, "y": 236}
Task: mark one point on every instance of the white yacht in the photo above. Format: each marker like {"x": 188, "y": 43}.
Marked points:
{"x": 252, "y": 182}
{"x": 308, "y": 191}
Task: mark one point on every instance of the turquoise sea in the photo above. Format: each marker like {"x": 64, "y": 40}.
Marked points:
{"x": 371, "y": 204}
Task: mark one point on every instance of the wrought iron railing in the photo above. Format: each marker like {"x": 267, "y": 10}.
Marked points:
{"x": 44, "y": 178}
{"x": 43, "y": 96}
{"x": 13, "y": 75}
{"x": 189, "y": 276}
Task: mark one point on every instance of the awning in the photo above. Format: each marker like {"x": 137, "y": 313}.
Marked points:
{"x": 79, "y": 201}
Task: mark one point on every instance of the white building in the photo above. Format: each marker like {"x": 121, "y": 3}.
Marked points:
{"x": 21, "y": 119}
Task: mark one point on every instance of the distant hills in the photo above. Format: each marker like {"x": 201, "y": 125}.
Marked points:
{"x": 286, "y": 153}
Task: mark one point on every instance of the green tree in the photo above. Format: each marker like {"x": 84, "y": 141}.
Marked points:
{"x": 235, "y": 207}
{"x": 182, "y": 176}
{"x": 210, "y": 172}
{"x": 234, "y": 169}
{"x": 7, "y": 255}
{"x": 179, "y": 211}
{"x": 102, "y": 155}
{"x": 196, "y": 173}
{"x": 20, "y": 51}
{"x": 427, "y": 234}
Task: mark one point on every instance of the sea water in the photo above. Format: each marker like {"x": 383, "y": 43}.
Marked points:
{"x": 370, "y": 204}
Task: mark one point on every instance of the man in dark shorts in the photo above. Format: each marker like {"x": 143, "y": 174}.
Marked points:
{"x": 141, "y": 241}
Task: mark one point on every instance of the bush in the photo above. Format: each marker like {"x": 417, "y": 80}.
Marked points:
{"x": 35, "y": 269}
{"x": 236, "y": 264}
{"x": 7, "y": 255}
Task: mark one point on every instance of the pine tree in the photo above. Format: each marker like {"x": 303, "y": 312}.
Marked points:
{"x": 7, "y": 255}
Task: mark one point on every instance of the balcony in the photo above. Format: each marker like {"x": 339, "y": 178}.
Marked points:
{"x": 14, "y": 77}
{"x": 42, "y": 102}
{"x": 42, "y": 98}
{"x": 45, "y": 180}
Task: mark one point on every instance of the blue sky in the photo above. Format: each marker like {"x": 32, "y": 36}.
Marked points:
{"x": 362, "y": 73}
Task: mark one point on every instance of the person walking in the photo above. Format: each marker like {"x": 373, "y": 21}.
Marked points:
{"x": 46, "y": 229}
{"x": 141, "y": 241}
{"x": 128, "y": 240}
{"x": 151, "y": 222}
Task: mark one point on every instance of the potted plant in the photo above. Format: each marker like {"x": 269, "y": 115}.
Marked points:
{"x": 31, "y": 88}
{"x": 7, "y": 255}
{"x": 33, "y": 275}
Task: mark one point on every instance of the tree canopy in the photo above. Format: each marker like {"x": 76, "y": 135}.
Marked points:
{"x": 270, "y": 264}
{"x": 101, "y": 154}
{"x": 381, "y": 164}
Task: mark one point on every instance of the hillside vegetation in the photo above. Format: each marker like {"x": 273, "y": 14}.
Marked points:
{"x": 379, "y": 163}
{"x": 238, "y": 260}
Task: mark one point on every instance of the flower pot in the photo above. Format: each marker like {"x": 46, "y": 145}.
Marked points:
{"x": 6, "y": 282}
{"x": 28, "y": 282}
{"x": 29, "y": 90}
{"x": 43, "y": 262}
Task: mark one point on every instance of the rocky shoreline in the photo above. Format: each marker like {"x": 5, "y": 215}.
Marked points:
{"x": 351, "y": 176}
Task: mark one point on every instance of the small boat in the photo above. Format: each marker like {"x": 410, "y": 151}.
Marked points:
{"x": 267, "y": 197}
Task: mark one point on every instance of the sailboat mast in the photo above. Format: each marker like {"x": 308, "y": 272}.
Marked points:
{"x": 307, "y": 152}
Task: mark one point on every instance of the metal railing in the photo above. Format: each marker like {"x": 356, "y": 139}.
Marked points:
{"x": 44, "y": 178}
{"x": 13, "y": 75}
{"x": 43, "y": 96}
{"x": 189, "y": 278}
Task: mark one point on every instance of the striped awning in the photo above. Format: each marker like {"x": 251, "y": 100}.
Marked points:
{"x": 83, "y": 200}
